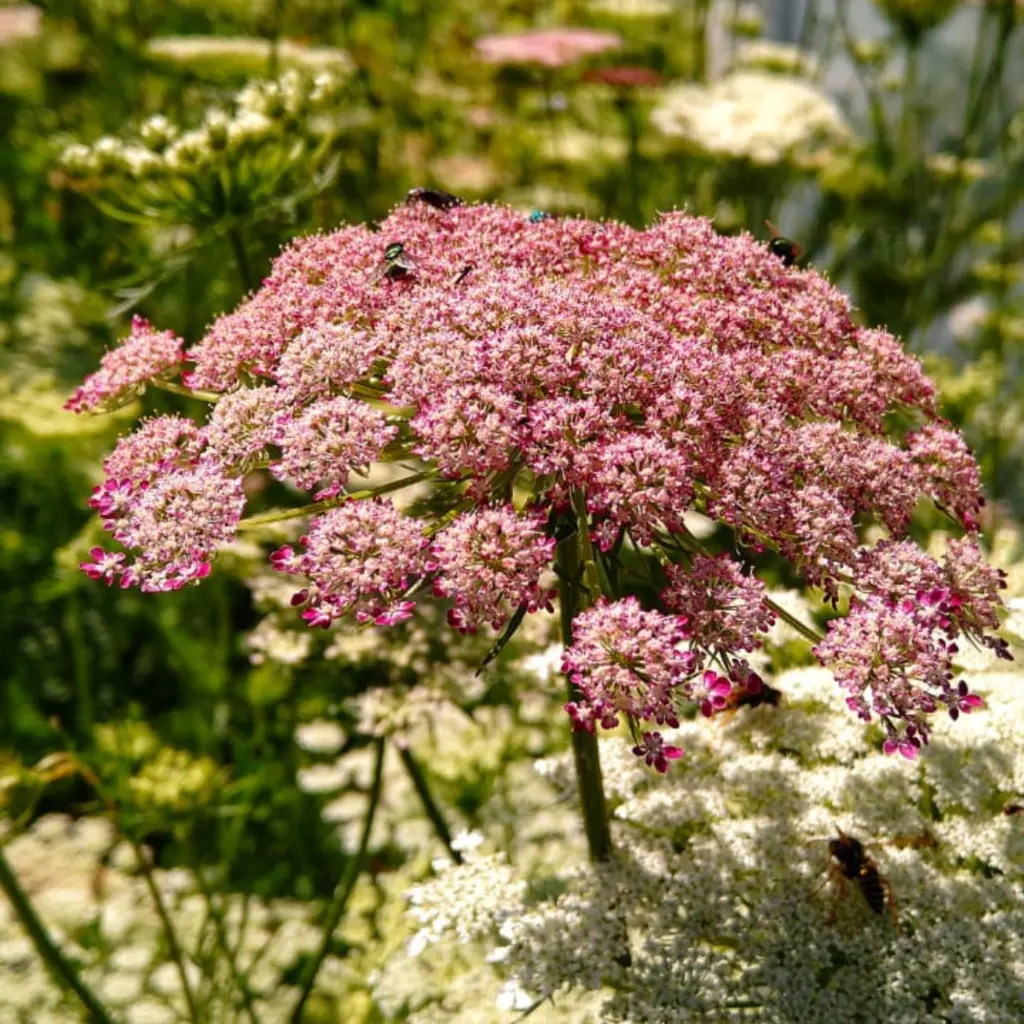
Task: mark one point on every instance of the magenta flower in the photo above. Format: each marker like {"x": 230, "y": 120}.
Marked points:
{"x": 584, "y": 379}
{"x": 656, "y": 752}
{"x": 627, "y": 661}
{"x": 710, "y": 692}
{"x": 144, "y": 355}
{"x": 325, "y": 440}
{"x": 158, "y": 444}
{"x": 243, "y": 424}
{"x": 105, "y": 565}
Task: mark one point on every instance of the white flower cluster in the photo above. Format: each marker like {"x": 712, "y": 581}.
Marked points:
{"x": 87, "y": 890}
{"x": 719, "y": 905}
{"x": 264, "y": 113}
{"x": 753, "y": 115}
{"x": 471, "y": 901}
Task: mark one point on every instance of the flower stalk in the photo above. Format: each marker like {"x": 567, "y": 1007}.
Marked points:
{"x": 577, "y": 574}
{"x": 422, "y": 787}
{"x": 344, "y": 890}
{"x": 62, "y": 969}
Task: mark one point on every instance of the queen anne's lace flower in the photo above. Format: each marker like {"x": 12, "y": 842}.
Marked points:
{"x": 642, "y": 374}
{"x": 242, "y": 425}
{"x": 144, "y": 355}
{"x": 724, "y": 610}
{"x": 321, "y": 443}
{"x": 490, "y": 562}
{"x": 626, "y": 661}
{"x": 175, "y": 523}
{"x": 359, "y": 558}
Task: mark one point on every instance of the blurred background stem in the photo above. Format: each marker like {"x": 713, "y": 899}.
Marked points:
{"x": 62, "y": 969}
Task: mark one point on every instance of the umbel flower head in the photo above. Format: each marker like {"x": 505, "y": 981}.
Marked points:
{"x": 564, "y": 381}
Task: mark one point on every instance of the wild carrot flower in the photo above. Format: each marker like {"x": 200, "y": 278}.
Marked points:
{"x": 144, "y": 355}
{"x": 581, "y": 377}
{"x": 490, "y": 562}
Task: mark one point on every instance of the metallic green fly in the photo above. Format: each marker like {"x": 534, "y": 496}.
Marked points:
{"x": 397, "y": 263}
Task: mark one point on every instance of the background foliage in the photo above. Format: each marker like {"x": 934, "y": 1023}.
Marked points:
{"x": 887, "y": 138}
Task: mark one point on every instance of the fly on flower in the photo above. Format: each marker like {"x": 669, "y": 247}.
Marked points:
{"x": 463, "y": 273}
{"x": 536, "y": 216}
{"x": 785, "y": 248}
{"x": 397, "y": 263}
{"x": 434, "y": 197}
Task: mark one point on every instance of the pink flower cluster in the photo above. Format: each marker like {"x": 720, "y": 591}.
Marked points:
{"x": 360, "y": 559}
{"x": 627, "y": 661}
{"x": 551, "y": 48}
{"x": 166, "y": 501}
{"x": 894, "y": 652}
{"x": 144, "y": 355}
{"x": 490, "y": 562}
{"x": 651, "y": 371}
{"x": 723, "y": 609}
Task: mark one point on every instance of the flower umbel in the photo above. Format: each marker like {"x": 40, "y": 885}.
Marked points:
{"x": 641, "y": 374}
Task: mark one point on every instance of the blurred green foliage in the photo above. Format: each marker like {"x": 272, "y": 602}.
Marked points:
{"x": 904, "y": 185}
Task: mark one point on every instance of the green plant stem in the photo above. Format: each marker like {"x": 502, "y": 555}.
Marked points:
{"x": 63, "y": 970}
{"x": 237, "y": 240}
{"x": 909, "y": 133}
{"x": 173, "y": 946}
{"x": 221, "y": 939}
{"x": 343, "y": 891}
{"x": 572, "y": 599}
{"x": 419, "y": 781}
{"x": 807, "y": 632}
{"x": 180, "y": 389}
{"x": 254, "y": 522}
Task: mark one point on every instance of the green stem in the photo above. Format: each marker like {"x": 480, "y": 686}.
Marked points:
{"x": 571, "y": 600}
{"x": 173, "y": 946}
{"x": 254, "y": 522}
{"x": 908, "y": 128}
{"x": 63, "y": 970}
{"x": 804, "y": 630}
{"x": 180, "y": 389}
{"x": 419, "y": 781}
{"x": 237, "y": 241}
{"x": 344, "y": 890}
{"x": 221, "y": 938}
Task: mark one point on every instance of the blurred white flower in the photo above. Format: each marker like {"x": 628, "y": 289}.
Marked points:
{"x": 19, "y": 22}
{"x": 467, "y": 842}
{"x": 322, "y": 778}
{"x": 320, "y": 737}
{"x": 544, "y": 664}
{"x": 270, "y": 642}
{"x": 751, "y": 115}
{"x": 149, "y": 1011}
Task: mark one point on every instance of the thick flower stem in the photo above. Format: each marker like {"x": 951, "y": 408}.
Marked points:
{"x": 572, "y": 599}
{"x": 344, "y": 890}
{"x": 62, "y": 969}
